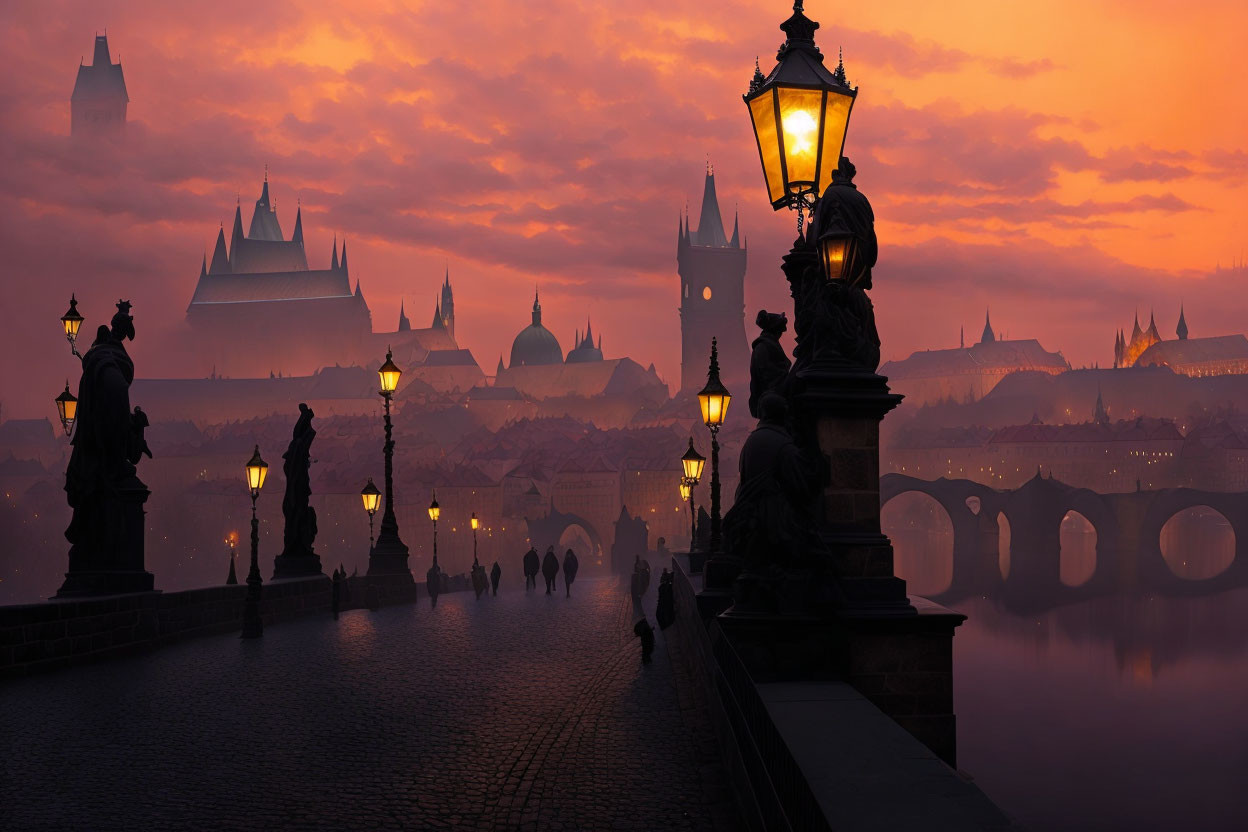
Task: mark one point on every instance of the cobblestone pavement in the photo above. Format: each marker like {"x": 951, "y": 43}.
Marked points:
{"x": 521, "y": 712}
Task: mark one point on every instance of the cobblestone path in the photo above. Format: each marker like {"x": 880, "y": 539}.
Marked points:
{"x": 521, "y": 712}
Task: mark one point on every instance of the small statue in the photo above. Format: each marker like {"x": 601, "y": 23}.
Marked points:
{"x": 138, "y": 445}
{"x": 300, "y": 530}
{"x": 769, "y": 364}
{"x": 771, "y": 523}
{"x": 835, "y": 318}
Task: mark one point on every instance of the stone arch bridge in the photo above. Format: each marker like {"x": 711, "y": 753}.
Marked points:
{"x": 1128, "y": 538}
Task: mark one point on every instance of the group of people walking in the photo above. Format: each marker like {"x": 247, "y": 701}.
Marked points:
{"x": 548, "y": 565}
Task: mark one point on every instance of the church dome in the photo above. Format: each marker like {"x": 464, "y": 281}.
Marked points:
{"x": 536, "y": 344}
{"x": 585, "y": 349}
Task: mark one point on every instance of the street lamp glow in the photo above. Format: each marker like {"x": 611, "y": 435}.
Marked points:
{"x": 389, "y": 373}
{"x": 837, "y": 248}
{"x": 714, "y": 398}
{"x": 72, "y": 321}
{"x": 692, "y": 463}
{"x": 67, "y": 407}
{"x": 476, "y": 524}
{"x": 371, "y": 497}
{"x": 435, "y": 511}
{"x": 800, "y": 114}
{"x": 685, "y": 489}
{"x": 257, "y": 471}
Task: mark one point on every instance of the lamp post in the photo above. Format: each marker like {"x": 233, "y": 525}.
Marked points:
{"x": 800, "y": 114}
{"x": 231, "y": 579}
{"x": 476, "y": 524}
{"x": 72, "y": 321}
{"x": 435, "y": 511}
{"x": 691, "y": 465}
{"x": 389, "y": 554}
{"x": 67, "y": 408}
{"x": 253, "y": 627}
{"x": 371, "y": 498}
{"x": 714, "y": 399}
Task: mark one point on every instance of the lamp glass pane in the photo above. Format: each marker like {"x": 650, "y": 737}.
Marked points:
{"x": 434, "y": 513}
{"x": 685, "y": 491}
{"x": 836, "y": 123}
{"x": 714, "y": 408}
{"x": 69, "y": 409}
{"x": 835, "y": 253}
{"x": 800, "y": 112}
{"x": 389, "y": 378}
{"x": 693, "y": 467}
{"x": 763, "y": 113}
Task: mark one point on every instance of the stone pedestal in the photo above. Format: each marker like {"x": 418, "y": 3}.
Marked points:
{"x": 306, "y": 565}
{"x": 112, "y": 562}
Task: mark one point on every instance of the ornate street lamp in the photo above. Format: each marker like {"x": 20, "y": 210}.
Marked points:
{"x": 800, "y": 113}
{"x": 72, "y": 322}
{"x": 435, "y": 511}
{"x": 371, "y": 498}
{"x": 838, "y": 249}
{"x": 714, "y": 399}
{"x": 389, "y": 555}
{"x": 67, "y": 408}
{"x": 476, "y": 524}
{"x": 257, "y": 472}
{"x": 691, "y": 464}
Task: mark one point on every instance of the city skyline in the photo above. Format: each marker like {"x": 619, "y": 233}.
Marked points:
{"x": 386, "y": 131}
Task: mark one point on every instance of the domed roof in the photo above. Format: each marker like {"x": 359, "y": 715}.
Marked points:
{"x": 585, "y": 349}
{"x": 536, "y": 344}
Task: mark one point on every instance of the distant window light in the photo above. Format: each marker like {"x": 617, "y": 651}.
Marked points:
{"x": 706, "y": 293}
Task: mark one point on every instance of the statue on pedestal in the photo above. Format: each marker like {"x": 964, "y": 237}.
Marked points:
{"x": 835, "y": 317}
{"x": 101, "y": 482}
{"x": 771, "y": 525}
{"x": 769, "y": 364}
{"x": 298, "y": 556}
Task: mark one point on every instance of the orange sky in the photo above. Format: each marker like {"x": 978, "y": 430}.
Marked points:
{"x": 1063, "y": 162}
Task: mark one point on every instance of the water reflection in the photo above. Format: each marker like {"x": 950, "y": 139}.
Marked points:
{"x": 1114, "y": 713}
{"x": 1198, "y": 543}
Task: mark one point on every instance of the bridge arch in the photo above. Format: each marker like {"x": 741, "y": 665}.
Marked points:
{"x": 974, "y": 532}
{"x": 547, "y": 531}
{"x": 1192, "y": 547}
{"x": 1155, "y": 574}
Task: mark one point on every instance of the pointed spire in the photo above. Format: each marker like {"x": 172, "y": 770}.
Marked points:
{"x": 500, "y": 369}
{"x": 203, "y": 267}
{"x": 589, "y": 331}
{"x": 333, "y": 264}
{"x": 839, "y": 72}
{"x": 297, "y": 237}
{"x": 404, "y": 324}
{"x": 344, "y": 255}
{"x": 735, "y": 242}
{"x": 236, "y": 234}
{"x": 220, "y": 257}
{"x": 1136, "y": 332}
{"x": 1181, "y": 329}
{"x": 438, "y": 323}
{"x": 710, "y": 223}
{"x": 961, "y": 337}
{"x": 537, "y": 309}
{"x": 988, "y": 337}
{"x": 446, "y": 282}
{"x": 101, "y": 56}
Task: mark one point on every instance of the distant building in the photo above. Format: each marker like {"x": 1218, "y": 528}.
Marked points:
{"x": 535, "y": 345}
{"x": 98, "y": 104}
{"x": 967, "y": 374}
{"x": 712, "y": 295}
{"x": 1218, "y": 355}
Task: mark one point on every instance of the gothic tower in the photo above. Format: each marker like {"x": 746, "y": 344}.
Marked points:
{"x": 712, "y": 296}
{"x": 448, "y": 304}
{"x": 98, "y": 104}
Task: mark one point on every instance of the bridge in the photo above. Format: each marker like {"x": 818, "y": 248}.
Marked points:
{"x": 1128, "y": 538}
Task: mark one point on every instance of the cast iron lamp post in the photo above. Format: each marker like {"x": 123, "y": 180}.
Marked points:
{"x": 389, "y": 555}
{"x": 253, "y": 627}
{"x": 476, "y": 524}
{"x": 67, "y": 408}
{"x": 435, "y": 511}
{"x": 72, "y": 321}
{"x": 371, "y": 498}
{"x": 800, "y": 113}
{"x": 691, "y": 464}
{"x": 714, "y": 399}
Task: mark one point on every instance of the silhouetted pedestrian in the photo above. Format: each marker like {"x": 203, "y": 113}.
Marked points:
{"x": 496, "y": 572}
{"x": 550, "y": 568}
{"x": 665, "y": 612}
{"x": 532, "y": 565}
{"x": 480, "y": 583}
{"x": 433, "y": 584}
{"x": 645, "y": 632}
{"x": 570, "y": 565}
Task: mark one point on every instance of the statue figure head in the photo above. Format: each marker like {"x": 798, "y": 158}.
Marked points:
{"x": 845, "y": 173}
{"x": 773, "y": 407}
{"x": 772, "y": 323}
{"x": 123, "y": 322}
